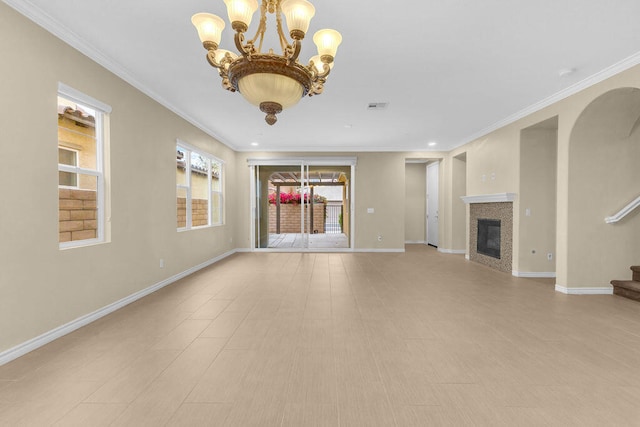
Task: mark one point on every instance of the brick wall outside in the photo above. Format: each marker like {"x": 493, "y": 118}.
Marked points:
{"x": 199, "y": 212}
{"x": 290, "y": 218}
{"x": 77, "y": 215}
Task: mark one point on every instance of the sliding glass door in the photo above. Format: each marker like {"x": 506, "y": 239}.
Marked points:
{"x": 299, "y": 206}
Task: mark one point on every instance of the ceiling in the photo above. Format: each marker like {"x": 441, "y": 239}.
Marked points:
{"x": 450, "y": 71}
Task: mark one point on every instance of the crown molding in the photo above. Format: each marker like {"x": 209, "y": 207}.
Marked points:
{"x": 598, "y": 77}
{"x": 64, "y": 33}
{"x": 35, "y": 14}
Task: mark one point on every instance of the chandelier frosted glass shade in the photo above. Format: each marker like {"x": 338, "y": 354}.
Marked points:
{"x": 209, "y": 27}
{"x": 298, "y": 14}
{"x": 241, "y": 11}
{"x": 260, "y": 88}
{"x": 270, "y": 81}
{"x": 327, "y": 42}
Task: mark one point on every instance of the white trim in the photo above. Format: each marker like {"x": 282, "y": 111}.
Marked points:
{"x": 453, "y": 251}
{"x": 81, "y": 98}
{"x": 379, "y": 250}
{"x": 301, "y": 250}
{"x": 623, "y": 212}
{"x": 466, "y": 256}
{"x": 101, "y": 117}
{"x": 189, "y": 147}
{"x": 38, "y": 16}
{"x": 617, "y": 68}
{"x": 585, "y": 291}
{"x": 34, "y": 343}
{"x": 489, "y": 198}
{"x": 188, "y": 150}
{"x": 309, "y": 161}
{"x": 534, "y": 274}
{"x": 415, "y": 242}
{"x": 352, "y": 206}
{"x": 65, "y": 34}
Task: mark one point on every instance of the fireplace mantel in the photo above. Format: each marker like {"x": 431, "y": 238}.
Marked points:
{"x": 489, "y": 198}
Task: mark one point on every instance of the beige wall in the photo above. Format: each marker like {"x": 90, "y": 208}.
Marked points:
{"x": 415, "y": 202}
{"x": 604, "y": 175}
{"x": 458, "y": 219}
{"x": 538, "y": 165}
{"x": 499, "y": 152}
{"x": 41, "y": 286}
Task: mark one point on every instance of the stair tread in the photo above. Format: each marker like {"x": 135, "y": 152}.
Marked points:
{"x": 627, "y": 284}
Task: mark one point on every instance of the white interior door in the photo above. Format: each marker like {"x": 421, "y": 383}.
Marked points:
{"x": 432, "y": 203}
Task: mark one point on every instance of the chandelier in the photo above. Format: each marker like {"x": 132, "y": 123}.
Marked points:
{"x": 269, "y": 81}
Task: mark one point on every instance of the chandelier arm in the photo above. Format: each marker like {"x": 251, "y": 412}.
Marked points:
{"x": 317, "y": 88}
{"x": 222, "y": 67}
{"x": 317, "y": 74}
{"x": 244, "y": 49}
{"x": 294, "y": 53}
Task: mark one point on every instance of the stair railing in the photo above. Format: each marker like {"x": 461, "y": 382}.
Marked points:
{"x": 623, "y": 212}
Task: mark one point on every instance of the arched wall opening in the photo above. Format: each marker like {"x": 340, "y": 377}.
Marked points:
{"x": 604, "y": 175}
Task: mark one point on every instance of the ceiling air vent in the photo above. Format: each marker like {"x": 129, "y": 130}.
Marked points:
{"x": 377, "y": 105}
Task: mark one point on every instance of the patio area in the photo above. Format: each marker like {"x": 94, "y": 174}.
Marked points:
{"x": 316, "y": 241}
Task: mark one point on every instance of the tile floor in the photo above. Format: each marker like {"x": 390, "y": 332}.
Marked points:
{"x": 287, "y": 339}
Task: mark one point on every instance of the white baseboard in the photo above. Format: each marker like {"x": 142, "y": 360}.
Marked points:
{"x": 415, "y": 242}
{"x": 34, "y": 343}
{"x": 378, "y": 250}
{"x": 453, "y": 251}
{"x": 538, "y": 275}
{"x": 585, "y": 291}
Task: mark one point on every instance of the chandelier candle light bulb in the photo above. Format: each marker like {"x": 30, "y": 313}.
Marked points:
{"x": 270, "y": 81}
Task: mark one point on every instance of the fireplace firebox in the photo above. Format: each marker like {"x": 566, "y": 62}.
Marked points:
{"x": 489, "y": 237}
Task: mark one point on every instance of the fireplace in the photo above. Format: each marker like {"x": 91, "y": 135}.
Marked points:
{"x": 489, "y": 237}
{"x": 491, "y": 229}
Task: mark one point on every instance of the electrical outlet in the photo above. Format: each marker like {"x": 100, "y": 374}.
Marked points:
{"x": 549, "y": 256}
{"x": 161, "y": 263}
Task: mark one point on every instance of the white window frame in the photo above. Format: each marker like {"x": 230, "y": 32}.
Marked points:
{"x": 102, "y": 125}
{"x": 77, "y": 158}
{"x": 187, "y": 187}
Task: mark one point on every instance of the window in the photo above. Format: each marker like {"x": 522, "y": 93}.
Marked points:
{"x": 70, "y": 158}
{"x": 82, "y": 123}
{"x": 198, "y": 188}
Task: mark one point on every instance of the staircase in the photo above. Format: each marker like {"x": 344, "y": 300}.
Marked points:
{"x": 628, "y": 288}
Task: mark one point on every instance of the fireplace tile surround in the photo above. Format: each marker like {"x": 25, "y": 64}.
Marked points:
{"x": 495, "y": 207}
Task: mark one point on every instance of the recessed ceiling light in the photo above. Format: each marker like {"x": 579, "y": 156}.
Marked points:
{"x": 255, "y": 144}
{"x": 432, "y": 144}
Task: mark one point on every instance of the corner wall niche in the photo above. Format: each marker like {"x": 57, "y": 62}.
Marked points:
{"x": 494, "y": 213}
